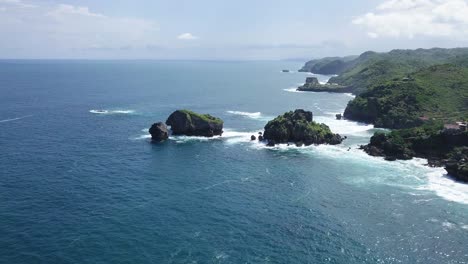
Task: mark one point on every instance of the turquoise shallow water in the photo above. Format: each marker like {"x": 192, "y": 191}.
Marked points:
{"x": 77, "y": 186}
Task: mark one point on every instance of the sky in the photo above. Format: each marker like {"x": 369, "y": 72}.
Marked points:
{"x": 225, "y": 30}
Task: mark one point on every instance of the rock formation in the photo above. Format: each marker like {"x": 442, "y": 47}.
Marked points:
{"x": 159, "y": 132}
{"x": 186, "y": 122}
{"x": 298, "y": 127}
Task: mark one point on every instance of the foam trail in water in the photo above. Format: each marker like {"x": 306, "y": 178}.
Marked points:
{"x": 110, "y": 112}
{"x": 14, "y": 119}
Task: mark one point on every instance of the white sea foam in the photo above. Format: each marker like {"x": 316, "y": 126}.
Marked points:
{"x": 110, "y": 112}
{"x": 345, "y": 127}
{"x": 229, "y": 136}
{"x": 253, "y": 115}
{"x": 412, "y": 175}
{"x": 293, "y": 90}
{"x": 14, "y": 119}
{"x": 439, "y": 183}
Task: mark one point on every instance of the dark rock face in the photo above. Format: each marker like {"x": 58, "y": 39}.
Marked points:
{"x": 185, "y": 122}
{"x": 457, "y": 164}
{"x": 299, "y": 127}
{"x": 159, "y": 132}
{"x": 312, "y": 81}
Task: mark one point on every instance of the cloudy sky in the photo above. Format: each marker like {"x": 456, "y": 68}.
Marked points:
{"x": 213, "y": 29}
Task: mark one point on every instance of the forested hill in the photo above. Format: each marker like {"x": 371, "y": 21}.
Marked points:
{"x": 438, "y": 92}
{"x": 372, "y": 68}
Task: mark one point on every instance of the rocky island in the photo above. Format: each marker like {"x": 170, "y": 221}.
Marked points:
{"x": 312, "y": 85}
{"x": 189, "y": 123}
{"x": 299, "y": 128}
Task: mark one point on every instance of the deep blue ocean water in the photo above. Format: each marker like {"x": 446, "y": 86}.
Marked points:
{"x": 79, "y": 186}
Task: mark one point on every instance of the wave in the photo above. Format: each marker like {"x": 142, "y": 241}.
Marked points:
{"x": 110, "y": 112}
{"x": 406, "y": 174}
{"x": 439, "y": 183}
{"x": 293, "y": 90}
{"x": 14, "y": 119}
{"x": 229, "y": 136}
{"x": 346, "y": 127}
{"x": 254, "y": 115}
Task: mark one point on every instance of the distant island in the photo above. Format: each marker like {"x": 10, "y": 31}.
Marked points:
{"x": 422, "y": 93}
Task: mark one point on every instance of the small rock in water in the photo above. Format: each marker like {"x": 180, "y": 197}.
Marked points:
{"x": 339, "y": 116}
{"x": 159, "y": 132}
{"x": 253, "y": 137}
{"x": 260, "y": 138}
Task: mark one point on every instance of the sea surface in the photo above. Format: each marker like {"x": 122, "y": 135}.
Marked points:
{"x": 80, "y": 181}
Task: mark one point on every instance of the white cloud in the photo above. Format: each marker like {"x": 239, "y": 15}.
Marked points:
{"x": 53, "y": 28}
{"x": 67, "y": 10}
{"x": 413, "y": 18}
{"x": 15, "y": 3}
{"x": 187, "y": 36}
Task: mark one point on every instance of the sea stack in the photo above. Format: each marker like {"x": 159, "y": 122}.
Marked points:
{"x": 159, "y": 132}
{"x": 189, "y": 123}
{"x": 298, "y": 127}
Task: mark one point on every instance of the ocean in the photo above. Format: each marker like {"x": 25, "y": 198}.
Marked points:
{"x": 81, "y": 182}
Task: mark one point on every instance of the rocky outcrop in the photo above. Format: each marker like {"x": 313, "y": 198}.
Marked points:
{"x": 339, "y": 116}
{"x": 159, "y": 132}
{"x": 457, "y": 164}
{"x": 312, "y": 81}
{"x": 441, "y": 147}
{"x": 298, "y": 127}
{"x": 313, "y": 85}
{"x": 186, "y": 122}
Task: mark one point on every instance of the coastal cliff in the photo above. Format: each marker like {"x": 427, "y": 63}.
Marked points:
{"x": 442, "y": 147}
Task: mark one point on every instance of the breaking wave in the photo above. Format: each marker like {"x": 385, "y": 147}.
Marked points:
{"x": 110, "y": 112}
{"x": 253, "y": 115}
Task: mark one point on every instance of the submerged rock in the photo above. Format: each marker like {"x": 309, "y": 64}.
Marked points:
{"x": 189, "y": 123}
{"x": 159, "y": 132}
{"x": 299, "y": 127}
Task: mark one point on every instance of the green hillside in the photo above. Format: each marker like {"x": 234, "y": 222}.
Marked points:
{"x": 372, "y": 68}
{"x": 438, "y": 92}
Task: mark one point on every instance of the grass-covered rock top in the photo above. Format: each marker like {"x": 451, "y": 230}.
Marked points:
{"x": 299, "y": 128}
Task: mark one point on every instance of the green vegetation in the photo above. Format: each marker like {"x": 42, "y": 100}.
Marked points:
{"x": 329, "y": 65}
{"x": 204, "y": 117}
{"x": 372, "y": 68}
{"x": 438, "y": 92}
